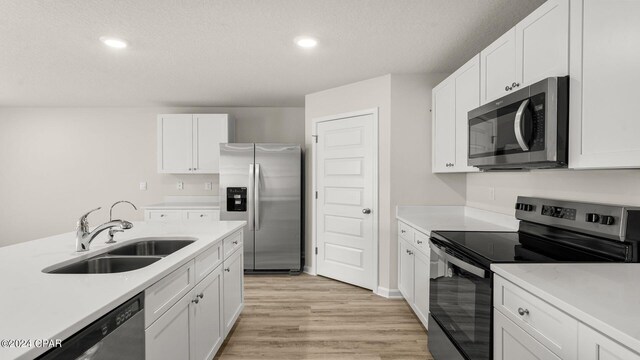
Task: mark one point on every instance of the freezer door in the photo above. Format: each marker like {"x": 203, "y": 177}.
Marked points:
{"x": 277, "y": 192}
{"x": 236, "y": 173}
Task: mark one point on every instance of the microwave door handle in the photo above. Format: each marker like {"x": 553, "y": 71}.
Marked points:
{"x": 517, "y": 125}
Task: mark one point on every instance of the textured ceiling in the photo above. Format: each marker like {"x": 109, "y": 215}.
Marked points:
{"x": 230, "y": 52}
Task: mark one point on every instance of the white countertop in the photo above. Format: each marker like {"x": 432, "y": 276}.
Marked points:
{"x": 36, "y": 305}
{"x": 184, "y": 205}
{"x": 454, "y": 218}
{"x": 603, "y": 296}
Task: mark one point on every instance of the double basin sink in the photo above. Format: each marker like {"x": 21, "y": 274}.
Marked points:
{"x": 133, "y": 256}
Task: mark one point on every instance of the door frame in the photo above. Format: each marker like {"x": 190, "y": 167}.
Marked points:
{"x": 313, "y": 270}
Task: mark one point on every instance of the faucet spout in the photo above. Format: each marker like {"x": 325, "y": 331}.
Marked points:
{"x": 85, "y": 237}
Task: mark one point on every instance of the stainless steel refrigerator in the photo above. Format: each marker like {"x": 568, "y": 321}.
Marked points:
{"x": 262, "y": 184}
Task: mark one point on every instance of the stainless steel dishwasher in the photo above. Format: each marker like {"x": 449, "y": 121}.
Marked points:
{"x": 119, "y": 335}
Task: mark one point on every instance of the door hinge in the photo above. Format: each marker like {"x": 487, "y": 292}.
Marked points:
{"x": 316, "y": 250}
{"x": 316, "y": 194}
{"x": 315, "y": 137}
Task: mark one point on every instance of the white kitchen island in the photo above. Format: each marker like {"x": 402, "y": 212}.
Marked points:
{"x": 39, "y": 305}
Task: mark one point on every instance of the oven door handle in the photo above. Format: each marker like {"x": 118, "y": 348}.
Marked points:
{"x": 458, "y": 262}
{"x": 517, "y": 125}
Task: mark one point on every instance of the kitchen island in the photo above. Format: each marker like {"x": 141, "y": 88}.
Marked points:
{"x": 39, "y": 305}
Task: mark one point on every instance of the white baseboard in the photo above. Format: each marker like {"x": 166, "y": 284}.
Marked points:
{"x": 388, "y": 293}
{"x": 308, "y": 270}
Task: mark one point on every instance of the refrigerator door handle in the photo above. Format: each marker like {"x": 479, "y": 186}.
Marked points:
{"x": 250, "y": 198}
{"x": 256, "y": 194}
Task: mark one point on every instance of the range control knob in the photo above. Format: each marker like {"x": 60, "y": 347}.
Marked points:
{"x": 607, "y": 220}
{"x": 593, "y": 218}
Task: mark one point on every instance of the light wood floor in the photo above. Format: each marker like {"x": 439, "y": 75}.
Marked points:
{"x": 311, "y": 317}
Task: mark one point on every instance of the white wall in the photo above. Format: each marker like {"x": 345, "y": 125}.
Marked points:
{"x": 60, "y": 162}
{"x": 605, "y": 186}
{"x": 404, "y": 175}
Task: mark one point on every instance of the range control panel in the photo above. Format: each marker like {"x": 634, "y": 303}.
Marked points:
{"x": 237, "y": 199}
{"x": 603, "y": 220}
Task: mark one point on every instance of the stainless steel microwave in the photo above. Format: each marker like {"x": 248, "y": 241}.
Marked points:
{"x": 527, "y": 129}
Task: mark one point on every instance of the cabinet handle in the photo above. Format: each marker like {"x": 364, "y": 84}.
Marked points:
{"x": 227, "y": 270}
{"x": 523, "y": 312}
{"x": 235, "y": 242}
{"x": 403, "y": 231}
{"x": 190, "y": 169}
{"x": 410, "y": 252}
{"x": 201, "y": 215}
{"x": 201, "y": 295}
{"x": 419, "y": 242}
{"x": 196, "y": 300}
{"x": 161, "y": 215}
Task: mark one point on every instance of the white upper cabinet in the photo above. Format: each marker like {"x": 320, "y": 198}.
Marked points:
{"x": 605, "y": 72}
{"x": 189, "y": 144}
{"x": 542, "y": 43}
{"x": 452, "y": 101}
{"x": 444, "y": 126}
{"x": 535, "y": 49}
{"x": 498, "y": 70}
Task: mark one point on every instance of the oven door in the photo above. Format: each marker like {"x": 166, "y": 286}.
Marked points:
{"x": 460, "y": 304}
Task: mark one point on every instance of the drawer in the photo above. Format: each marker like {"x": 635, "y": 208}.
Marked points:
{"x": 203, "y": 215}
{"x": 405, "y": 231}
{"x": 231, "y": 243}
{"x": 159, "y": 297}
{"x": 422, "y": 242}
{"x": 553, "y": 328}
{"x": 207, "y": 261}
{"x": 163, "y": 215}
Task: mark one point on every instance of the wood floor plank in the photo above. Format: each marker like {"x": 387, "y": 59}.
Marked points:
{"x": 311, "y": 317}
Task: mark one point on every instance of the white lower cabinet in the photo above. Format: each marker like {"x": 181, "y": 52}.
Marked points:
{"x": 167, "y": 215}
{"x": 526, "y": 326}
{"x": 413, "y": 270}
{"x": 206, "y": 317}
{"x": 233, "y": 289}
{"x": 593, "y": 345}
{"x": 195, "y": 326}
{"x": 510, "y": 342}
{"x": 169, "y": 337}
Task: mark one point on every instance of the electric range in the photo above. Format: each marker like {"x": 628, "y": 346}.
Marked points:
{"x": 550, "y": 231}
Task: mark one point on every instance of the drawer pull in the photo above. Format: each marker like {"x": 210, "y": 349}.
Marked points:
{"x": 196, "y": 300}
{"x": 419, "y": 242}
{"x": 227, "y": 270}
{"x": 402, "y": 231}
{"x": 201, "y": 215}
{"x": 235, "y": 242}
{"x": 523, "y": 312}
{"x": 161, "y": 215}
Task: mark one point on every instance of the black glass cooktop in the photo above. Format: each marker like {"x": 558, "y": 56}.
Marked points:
{"x": 542, "y": 244}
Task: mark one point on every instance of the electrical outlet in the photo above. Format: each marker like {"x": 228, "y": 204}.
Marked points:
{"x": 143, "y": 185}
{"x": 180, "y": 185}
{"x": 208, "y": 185}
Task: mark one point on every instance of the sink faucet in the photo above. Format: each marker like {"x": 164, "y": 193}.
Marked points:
{"x": 84, "y": 237}
{"x": 114, "y": 230}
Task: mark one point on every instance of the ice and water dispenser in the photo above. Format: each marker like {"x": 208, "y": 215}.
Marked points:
{"x": 237, "y": 199}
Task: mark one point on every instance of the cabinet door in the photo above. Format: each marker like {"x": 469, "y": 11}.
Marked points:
{"x": 542, "y": 43}
{"x": 175, "y": 143}
{"x": 510, "y": 342}
{"x": 168, "y": 337}
{"x": 593, "y": 345}
{"x": 498, "y": 68}
{"x": 233, "y": 292}
{"x": 208, "y": 328}
{"x": 405, "y": 279}
{"x": 209, "y": 131}
{"x": 605, "y": 73}
{"x": 467, "y": 82}
{"x": 421, "y": 287}
{"x": 444, "y": 127}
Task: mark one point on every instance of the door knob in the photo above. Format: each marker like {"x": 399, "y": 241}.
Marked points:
{"x": 366, "y": 211}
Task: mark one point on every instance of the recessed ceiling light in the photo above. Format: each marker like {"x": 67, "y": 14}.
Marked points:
{"x": 305, "y": 42}
{"x": 113, "y": 42}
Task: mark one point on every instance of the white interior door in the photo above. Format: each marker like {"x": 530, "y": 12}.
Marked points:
{"x": 345, "y": 162}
